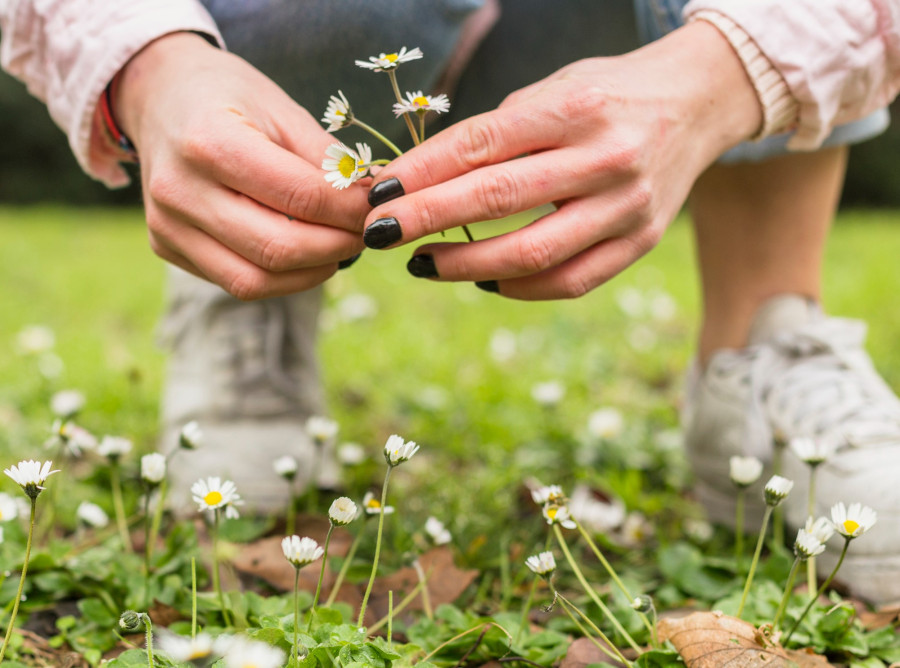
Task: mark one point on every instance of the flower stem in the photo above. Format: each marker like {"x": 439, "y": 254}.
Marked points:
{"x": 739, "y": 528}
{"x": 390, "y": 631}
{"x": 392, "y": 75}
{"x": 321, "y": 577}
{"x": 291, "y": 519}
{"x": 426, "y": 597}
{"x": 609, "y": 649}
{"x": 158, "y": 512}
{"x": 612, "y": 573}
{"x": 753, "y": 564}
{"x": 119, "y": 504}
{"x": 147, "y": 549}
{"x": 820, "y": 591}
{"x": 365, "y": 601}
{"x": 193, "y": 598}
{"x": 339, "y": 580}
{"x": 15, "y": 610}
{"x": 789, "y": 588}
{"x": 380, "y": 137}
{"x": 217, "y": 584}
{"x": 590, "y": 590}
{"x": 297, "y": 613}
{"x": 400, "y": 607}
{"x": 148, "y": 628}
{"x": 778, "y": 516}
{"x": 312, "y": 497}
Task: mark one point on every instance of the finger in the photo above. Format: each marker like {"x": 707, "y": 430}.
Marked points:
{"x": 485, "y": 139}
{"x": 574, "y": 277}
{"x": 266, "y": 238}
{"x": 490, "y": 193}
{"x": 538, "y": 246}
{"x": 251, "y": 163}
{"x": 197, "y": 252}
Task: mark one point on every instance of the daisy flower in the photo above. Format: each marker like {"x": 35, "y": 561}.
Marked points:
{"x": 241, "y": 652}
{"x": 350, "y": 454}
{"x": 342, "y": 511}
{"x": 344, "y": 166}
{"x": 153, "y": 468}
{"x": 852, "y": 521}
{"x": 437, "y": 531}
{"x": 821, "y": 528}
{"x": 777, "y": 490}
{"x": 185, "y": 649}
{"x": 420, "y": 103}
{"x": 67, "y": 403}
{"x": 338, "y": 113}
{"x": 389, "y": 61}
{"x": 213, "y": 493}
{"x": 397, "y": 451}
{"x": 813, "y": 451}
{"x": 542, "y": 564}
{"x": 191, "y": 436}
{"x": 9, "y": 509}
{"x": 548, "y": 494}
{"x": 321, "y": 429}
{"x": 643, "y": 604}
{"x": 92, "y": 515}
{"x": 286, "y": 467}
{"x": 558, "y": 515}
{"x": 807, "y": 545}
{"x": 300, "y": 551}
{"x": 70, "y": 436}
{"x": 549, "y": 393}
{"x": 30, "y": 476}
{"x": 606, "y": 423}
{"x": 113, "y": 447}
{"x": 744, "y": 471}
{"x": 372, "y": 505}
{"x": 596, "y": 514}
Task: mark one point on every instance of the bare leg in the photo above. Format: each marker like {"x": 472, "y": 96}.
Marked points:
{"x": 760, "y": 231}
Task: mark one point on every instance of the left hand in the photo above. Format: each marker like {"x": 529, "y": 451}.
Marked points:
{"x": 614, "y": 143}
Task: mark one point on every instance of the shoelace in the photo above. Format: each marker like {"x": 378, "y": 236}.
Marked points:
{"x": 819, "y": 382}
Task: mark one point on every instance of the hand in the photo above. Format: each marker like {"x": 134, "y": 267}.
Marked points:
{"x": 614, "y": 143}
{"x": 226, "y": 157}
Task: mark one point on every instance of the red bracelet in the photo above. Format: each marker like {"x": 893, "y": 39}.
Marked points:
{"x": 119, "y": 138}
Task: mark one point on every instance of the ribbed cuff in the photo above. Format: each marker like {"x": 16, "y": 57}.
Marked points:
{"x": 779, "y": 107}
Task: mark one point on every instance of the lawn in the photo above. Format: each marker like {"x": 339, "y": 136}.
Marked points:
{"x": 449, "y": 366}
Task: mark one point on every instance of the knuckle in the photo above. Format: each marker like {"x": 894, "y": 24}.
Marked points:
{"x": 165, "y": 187}
{"x": 575, "y": 285}
{"x": 245, "y": 286}
{"x": 199, "y": 147}
{"x": 478, "y": 143}
{"x": 586, "y": 103}
{"x": 305, "y": 200}
{"x": 275, "y": 255}
{"x": 534, "y": 254}
{"x": 500, "y": 194}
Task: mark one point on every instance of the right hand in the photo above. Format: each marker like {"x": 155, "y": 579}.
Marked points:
{"x": 226, "y": 158}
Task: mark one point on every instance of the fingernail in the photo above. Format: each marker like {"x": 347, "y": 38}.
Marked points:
{"x": 422, "y": 266}
{"x": 343, "y": 264}
{"x": 382, "y": 233}
{"x": 488, "y": 286}
{"x": 385, "y": 192}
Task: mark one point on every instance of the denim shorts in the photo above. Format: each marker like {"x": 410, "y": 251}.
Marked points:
{"x": 655, "y": 18}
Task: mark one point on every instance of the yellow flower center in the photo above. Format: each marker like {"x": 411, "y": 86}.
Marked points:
{"x": 420, "y": 101}
{"x": 347, "y": 166}
{"x": 850, "y": 526}
{"x": 374, "y": 503}
{"x": 198, "y": 653}
{"x": 213, "y": 498}
{"x": 391, "y": 57}
{"x": 551, "y": 513}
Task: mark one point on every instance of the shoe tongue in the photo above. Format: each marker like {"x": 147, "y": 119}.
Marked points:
{"x": 780, "y": 314}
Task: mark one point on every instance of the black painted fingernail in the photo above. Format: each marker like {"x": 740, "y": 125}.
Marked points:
{"x": 488, "y": 286}
{"x": 422, "y": 266}
{"x": 385, "y": 192}
{"x": 382, "y": 233}
{"x": 343, "y": 264}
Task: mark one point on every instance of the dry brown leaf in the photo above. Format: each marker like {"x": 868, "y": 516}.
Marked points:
{"x": 880, "y": 618}
{"x": 446, "y": 583}
{"x": 711, "y": 640}
{"x": 583, "y": 653}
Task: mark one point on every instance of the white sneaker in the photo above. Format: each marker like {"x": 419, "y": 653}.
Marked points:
{"x": 804, "y": 375}
{"x": 247, "y": 373}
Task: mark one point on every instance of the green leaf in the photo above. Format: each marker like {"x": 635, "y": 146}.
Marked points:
{"x": 659, "y": 658}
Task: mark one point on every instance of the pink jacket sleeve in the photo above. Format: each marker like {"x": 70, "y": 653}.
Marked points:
{"x": 840, "y": 58}
{"x": 67, "y": 51}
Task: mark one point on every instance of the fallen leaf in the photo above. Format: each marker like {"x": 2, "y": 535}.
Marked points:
{"x": 583, "y": 653}
{"x": 880, "y": 618}
{"x": 711, "y": 640}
